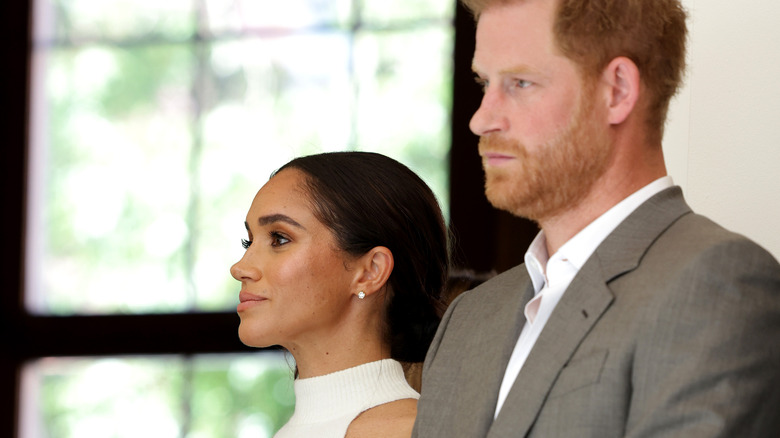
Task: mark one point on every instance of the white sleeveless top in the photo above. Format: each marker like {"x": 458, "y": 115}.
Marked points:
{"x": 326, "y": 405}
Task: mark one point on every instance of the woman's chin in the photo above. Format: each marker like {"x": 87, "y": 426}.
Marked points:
{"x": 251, "y": 339}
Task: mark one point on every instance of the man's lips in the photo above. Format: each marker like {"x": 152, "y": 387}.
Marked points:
{"x": 496, "y": 158}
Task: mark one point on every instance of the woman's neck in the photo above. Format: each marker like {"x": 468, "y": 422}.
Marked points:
{"x": 318, "y": 360}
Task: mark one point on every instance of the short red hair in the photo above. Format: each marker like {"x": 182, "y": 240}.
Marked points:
{"x": 652, "y": 33}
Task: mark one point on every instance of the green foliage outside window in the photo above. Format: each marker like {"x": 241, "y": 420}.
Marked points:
{"x": 153, "y": 124}
{"x": 201, "y": 397}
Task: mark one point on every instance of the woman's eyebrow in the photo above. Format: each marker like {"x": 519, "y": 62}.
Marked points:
{"x": 267, "y": 220}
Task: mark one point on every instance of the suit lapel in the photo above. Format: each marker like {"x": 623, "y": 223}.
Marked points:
{"x": 586, "y": 299}
{"x": 579, "y": 309}
{"x": 485, "y": 362}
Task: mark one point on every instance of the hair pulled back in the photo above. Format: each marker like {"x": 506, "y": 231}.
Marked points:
{"x": 368, "y": 200}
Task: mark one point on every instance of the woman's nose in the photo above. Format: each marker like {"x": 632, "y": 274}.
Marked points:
{"x": 244, "y": 270}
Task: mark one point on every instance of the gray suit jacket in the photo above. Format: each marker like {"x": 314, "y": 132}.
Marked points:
{"x": 670, "y": 329}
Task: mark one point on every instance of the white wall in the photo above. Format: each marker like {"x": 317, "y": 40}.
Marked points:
{"x": 722, "y": 142}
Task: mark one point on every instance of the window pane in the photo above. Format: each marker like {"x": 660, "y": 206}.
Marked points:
{"x": 389, "y": 12}
{"x": 403, "y": 108}
{"x": 152, "y": 129}
{"x": 274, "y": 17}
{"x": 248, "y": 395}
{"x": 295, "y": 98}
{"x": 115, "y": 207}
{"x": 121, "y": 20}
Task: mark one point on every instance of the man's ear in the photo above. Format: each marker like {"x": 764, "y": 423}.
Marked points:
{"x": 621, "y": 77}
{"x": 375, "y": 268}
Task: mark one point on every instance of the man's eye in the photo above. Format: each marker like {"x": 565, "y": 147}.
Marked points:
{"x": 522, "y": 83}
{"x": 483, "y": 83}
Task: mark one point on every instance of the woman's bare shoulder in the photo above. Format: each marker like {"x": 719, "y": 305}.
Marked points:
{"x": 389, "y": 420}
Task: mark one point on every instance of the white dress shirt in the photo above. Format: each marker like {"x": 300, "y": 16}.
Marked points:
{"x": 551, "y": 275}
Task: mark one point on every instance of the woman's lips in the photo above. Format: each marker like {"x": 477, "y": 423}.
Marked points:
{"x": 247, "y": 300}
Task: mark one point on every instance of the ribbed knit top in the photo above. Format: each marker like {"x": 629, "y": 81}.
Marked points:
{"x": 326, "y": 405}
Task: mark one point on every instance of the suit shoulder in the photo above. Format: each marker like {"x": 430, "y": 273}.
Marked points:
{"x": 499, "y": 295}
{"x": 695, "y": 258}
{"x": 697, "y": 236}
{"x": 502, "y": 286}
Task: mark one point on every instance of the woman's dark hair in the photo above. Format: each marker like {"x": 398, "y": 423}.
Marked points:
{"x": 369, "y": 200}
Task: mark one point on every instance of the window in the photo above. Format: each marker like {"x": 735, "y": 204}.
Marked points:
{"x": 153, "y": 124}
{"x": 247, "y": 395}
{"x": 181, "y": 342}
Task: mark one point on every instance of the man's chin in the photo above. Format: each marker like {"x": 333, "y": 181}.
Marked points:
{"x": 501, "y": 196}
{"x": 514, "y": 200}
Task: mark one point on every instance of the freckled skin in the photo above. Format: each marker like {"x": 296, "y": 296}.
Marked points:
{"x": 297, "y": 269}
{"x": 299, "y": 291}
{"x": 542, "y": 149}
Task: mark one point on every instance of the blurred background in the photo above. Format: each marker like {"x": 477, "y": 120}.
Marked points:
{"x": 148, "y": 127}
{"x": 136, "y": 132}
{"x": 153, "y": 124}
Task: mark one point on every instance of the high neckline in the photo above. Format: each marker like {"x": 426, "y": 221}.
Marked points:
{"x": 354, "y": 389}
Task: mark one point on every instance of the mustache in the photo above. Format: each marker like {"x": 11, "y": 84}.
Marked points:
{"x": 498, "y": 144}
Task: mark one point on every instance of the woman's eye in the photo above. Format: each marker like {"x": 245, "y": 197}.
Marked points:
{"x": 246, "y": 243}
{"x": 277, "y": 239}
{"x": 522, "y": 83}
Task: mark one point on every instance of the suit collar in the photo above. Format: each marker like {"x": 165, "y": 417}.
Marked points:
{"x": 581, "y": 306}
{"x": 623, "y": 250}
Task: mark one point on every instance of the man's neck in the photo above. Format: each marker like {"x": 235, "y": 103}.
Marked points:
{"x": 605, "y": 194}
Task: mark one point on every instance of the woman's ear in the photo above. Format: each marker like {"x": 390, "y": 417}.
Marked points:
{"x": 375, "y": 268}
{"x": 623, "y": 84}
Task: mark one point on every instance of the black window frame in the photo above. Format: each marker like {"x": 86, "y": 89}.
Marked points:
{"x": 485, "y": 239}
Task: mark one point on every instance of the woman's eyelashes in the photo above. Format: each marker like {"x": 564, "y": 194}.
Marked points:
{"x": 275, "y": 240}
{"x": 278, "y": 239}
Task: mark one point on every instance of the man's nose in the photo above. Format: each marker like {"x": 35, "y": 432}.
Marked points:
{"x": 489, "y": 118}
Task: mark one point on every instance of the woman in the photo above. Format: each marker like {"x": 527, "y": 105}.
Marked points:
{"x": 344, "y": 266}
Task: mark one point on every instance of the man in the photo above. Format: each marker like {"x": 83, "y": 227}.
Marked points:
{"x": 631, "y": 316}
